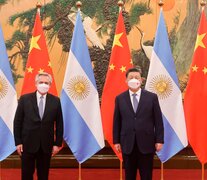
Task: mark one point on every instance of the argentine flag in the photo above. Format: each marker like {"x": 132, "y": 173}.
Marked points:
{"x": 163, "y": 81}
{"x": 80, "y": 102}
{"x": 8, "y": 103}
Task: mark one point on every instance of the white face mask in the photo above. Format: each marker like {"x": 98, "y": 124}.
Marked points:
{"x": 43, "y": 88}
{"x": 134, "y": 83}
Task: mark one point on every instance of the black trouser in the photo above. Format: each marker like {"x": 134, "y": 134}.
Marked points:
{"x": 42, "y": 161}
{"x": 136, "y": 159}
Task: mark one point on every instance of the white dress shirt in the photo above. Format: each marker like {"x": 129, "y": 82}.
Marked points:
{"x": 138, "y": 94}
{"x": 38, "y": 100}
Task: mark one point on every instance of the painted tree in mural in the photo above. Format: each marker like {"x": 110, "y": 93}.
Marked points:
{"x": 60, "y": 27}
{"x": 2, "y": 2}
{"x": 186, "y": 36}
{"x": 184, "y": 42}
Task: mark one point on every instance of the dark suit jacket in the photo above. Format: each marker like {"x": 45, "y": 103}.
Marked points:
{"x": 146, "y": 125}
{"x": 31, "y": 131}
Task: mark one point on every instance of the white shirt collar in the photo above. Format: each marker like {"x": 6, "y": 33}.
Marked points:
{"x": 39, "y": 95}
{"x": 138, "y": 92}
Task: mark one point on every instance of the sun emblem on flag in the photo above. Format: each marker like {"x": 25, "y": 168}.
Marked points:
{"x": 3, "y": 87}
{"x": 162, "y": 86}
{"x": 78, "y": 88}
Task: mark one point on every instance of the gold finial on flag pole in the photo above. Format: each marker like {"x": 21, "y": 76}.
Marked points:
{"x": 120, "y": 4}
{"x": 203, "y": 4}
{"x": 78, "y": 4}
{"x": 38, "y": 5}
{"x": 161, "y": 4}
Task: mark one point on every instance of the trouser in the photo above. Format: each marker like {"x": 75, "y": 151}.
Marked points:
{"x": 136, "y": 159}
{"x": 42, "y": 162}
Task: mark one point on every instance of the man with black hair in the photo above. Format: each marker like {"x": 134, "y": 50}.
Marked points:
{"x": 138, "y": 127}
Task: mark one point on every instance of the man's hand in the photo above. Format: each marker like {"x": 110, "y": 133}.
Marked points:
{"x": 55, "y": 150}
{"x": 20, "y": 149}
{"x": 117, "y": 147}
{"x": 158, "y": 146}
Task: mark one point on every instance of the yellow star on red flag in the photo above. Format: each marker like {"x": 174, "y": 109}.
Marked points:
{"x": 41, "y": 71}
{"x": 115, "y": 79}
{"x": 195, "y": 99}
{"x": 204, "y": 70}
{"x": 49, "y": 64}
{"x": 30, "y": 69}
{"x": 111, "y": 67}
{"x": 194, "y": 68}
{"x": 38, "y": 59}
{"x": 34, "y": 43}
{"x": 123, "y": 68}
{"x": 117, "y": 40}
{"x": 199, "y": 41}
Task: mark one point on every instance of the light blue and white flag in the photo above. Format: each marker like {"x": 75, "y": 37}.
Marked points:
{"x": 8, "y": 103}
{"x": 163, "y": 81}
{"x": 80, "y": 102}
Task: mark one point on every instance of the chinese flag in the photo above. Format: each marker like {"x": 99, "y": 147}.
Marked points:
{"x": 195, "y": 100}
{"x": 38, "y": 60}
{"x": 115, "y": 83}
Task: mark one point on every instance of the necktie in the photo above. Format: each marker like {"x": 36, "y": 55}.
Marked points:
{"x": 41, "y": 107}
{"x": 135, "y": 102}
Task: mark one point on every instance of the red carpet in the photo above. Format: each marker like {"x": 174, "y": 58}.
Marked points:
{"x": 105, "y": 174}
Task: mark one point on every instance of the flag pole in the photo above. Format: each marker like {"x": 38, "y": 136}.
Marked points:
{"x": 203, "y": 4}
{"x": 79, "y": 172}
{"x": 202, "y": 171}
{"x": 0, "y": 170}
{"x": 161, "y": 4}
{"x": 121, "y": 170}
{"x": 78, "y": 5}
{"x": 39, "y": 5}
{"x": 162, "y": 171}
{"x": 120, "y": 4}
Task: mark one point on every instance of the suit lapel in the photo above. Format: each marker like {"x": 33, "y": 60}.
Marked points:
{"x": 34, "y": 102}
{"x": 141, "y": 100}
{"x": 47, "y": 104}
{"x": 128, "y": 100}
{"x": 35, "y": 105}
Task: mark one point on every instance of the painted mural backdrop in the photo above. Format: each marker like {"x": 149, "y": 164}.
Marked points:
{"x": 99, "y": 20}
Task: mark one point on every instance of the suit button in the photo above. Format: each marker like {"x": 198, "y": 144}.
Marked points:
{"x": 135, "y": 118}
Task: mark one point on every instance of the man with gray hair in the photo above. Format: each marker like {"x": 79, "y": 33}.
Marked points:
{"x": 36, "y": 115}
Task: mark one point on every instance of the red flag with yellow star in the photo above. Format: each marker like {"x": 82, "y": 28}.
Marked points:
{"x": 195, "y": 100}
{"x": 115, "y": 84}
{"x": 38, "y": 59}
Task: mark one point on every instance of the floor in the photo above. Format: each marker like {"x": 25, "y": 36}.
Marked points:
{"x": 105, "y": 174}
